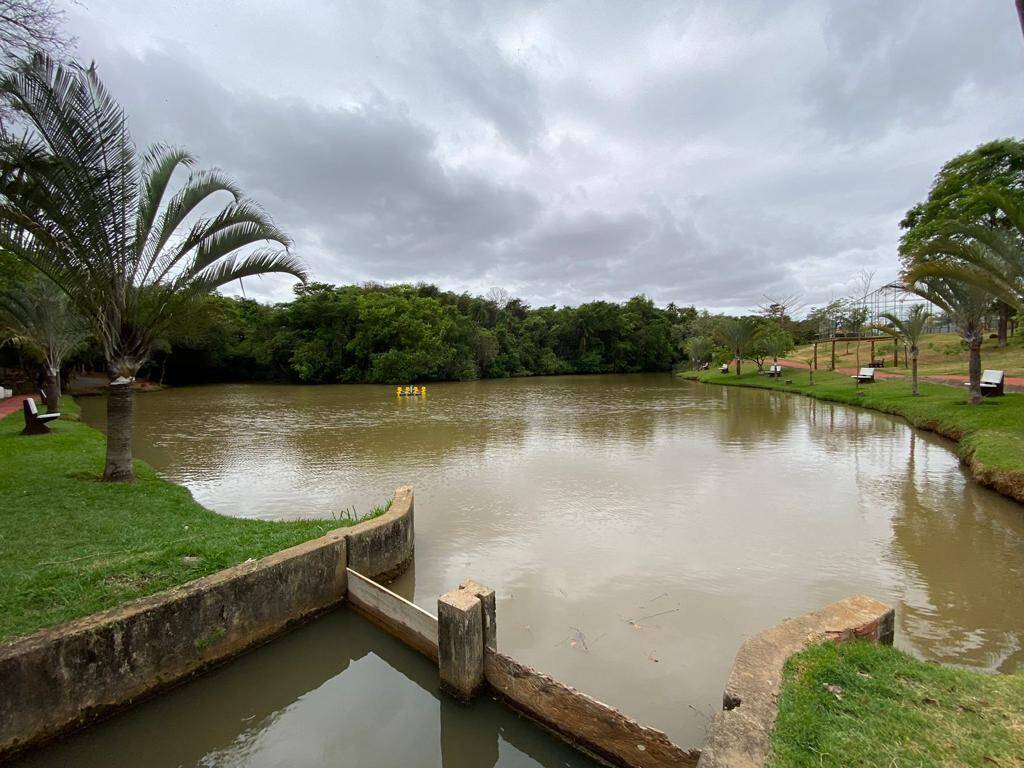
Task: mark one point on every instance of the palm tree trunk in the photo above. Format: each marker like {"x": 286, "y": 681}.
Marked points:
{"x": 1004, "y": 323}
{"x": 913, "y": 371}
{"x": 974, "y": 368}
{"x": 118, "y": 468}
{"x": 52, "y": 390}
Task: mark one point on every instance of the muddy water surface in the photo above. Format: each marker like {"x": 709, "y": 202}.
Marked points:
{"x": 636, "y": 528}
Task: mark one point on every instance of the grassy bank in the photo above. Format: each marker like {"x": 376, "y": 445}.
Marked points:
{"x": 71, "y": 545}
{"x": 863, "y": 705}
{"x": 942, "y": 354}
{"x": 990, "y": 435}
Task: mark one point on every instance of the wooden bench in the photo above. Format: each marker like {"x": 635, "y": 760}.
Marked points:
{"x": 865, "y": 376}
{"x": 877, "y": 364}
{"x": 991, "y": 383}
{"x": 35, "y": 422}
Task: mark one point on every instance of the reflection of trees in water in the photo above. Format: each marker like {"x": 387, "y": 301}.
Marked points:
{"x": 966, "y": 547}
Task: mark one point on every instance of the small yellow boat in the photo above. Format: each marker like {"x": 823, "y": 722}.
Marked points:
{"x": 411, "y": 391}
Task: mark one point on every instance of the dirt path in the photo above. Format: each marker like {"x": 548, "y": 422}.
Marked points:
{"x": 11, "y": 404}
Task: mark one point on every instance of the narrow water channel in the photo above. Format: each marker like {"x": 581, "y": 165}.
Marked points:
{"x": 338, "y": 693}
{"x": 635, "y": 528}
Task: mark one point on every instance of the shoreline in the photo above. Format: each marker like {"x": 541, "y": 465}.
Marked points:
{"x": 984, "y": 435}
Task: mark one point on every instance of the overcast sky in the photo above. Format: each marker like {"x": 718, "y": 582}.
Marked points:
{"x": 704, "y": 153}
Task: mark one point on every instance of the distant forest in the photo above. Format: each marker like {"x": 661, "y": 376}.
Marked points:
{"x": 408, "y": 333}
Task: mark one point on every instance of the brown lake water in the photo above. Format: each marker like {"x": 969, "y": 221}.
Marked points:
{"x": 636, "y": 530}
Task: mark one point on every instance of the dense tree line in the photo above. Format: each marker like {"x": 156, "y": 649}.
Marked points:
{"x": 404, "y": 333}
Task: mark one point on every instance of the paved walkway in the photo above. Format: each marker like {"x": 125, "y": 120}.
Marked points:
{"x": 1010, "y": 383}
{"x": 11, "y": 404}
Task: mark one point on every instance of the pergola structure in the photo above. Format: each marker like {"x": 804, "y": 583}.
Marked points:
{"x": 875, "y": 362}
{"x": 890, "y": 299}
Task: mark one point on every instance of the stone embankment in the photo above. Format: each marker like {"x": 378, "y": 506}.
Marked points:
{"x": 66, "y": 676}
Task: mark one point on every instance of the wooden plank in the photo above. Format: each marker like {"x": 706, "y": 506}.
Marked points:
{"x": 393, "y": 613}
{"x": 584, "y": 722}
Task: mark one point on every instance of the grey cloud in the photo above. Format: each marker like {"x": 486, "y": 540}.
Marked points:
{"x": 698, "y": 152}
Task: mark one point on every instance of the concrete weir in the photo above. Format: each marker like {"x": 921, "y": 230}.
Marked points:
{"x": 69, "y": 675}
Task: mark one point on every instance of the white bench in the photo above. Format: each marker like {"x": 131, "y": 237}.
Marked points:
{"x": 991, "y": 382}
{"x": 865, "y": 376}
{"x": 35, "y": 422}
{"x": 5, "y": 393}
{"x": 775, "y": 370}
{"x": 725, "y": 368}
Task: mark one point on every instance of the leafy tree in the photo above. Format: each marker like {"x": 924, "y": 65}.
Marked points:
{"x": 77, "y": 203}
{"x": 777, "y": 342}
{"x": 699, "y": 350}
{"x": 739, "y": 334}
{"x": 997, "y": 166}
{"x": 39, "y": 315}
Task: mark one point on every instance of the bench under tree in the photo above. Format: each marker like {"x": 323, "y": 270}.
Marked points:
{"x": 35, "y": 422}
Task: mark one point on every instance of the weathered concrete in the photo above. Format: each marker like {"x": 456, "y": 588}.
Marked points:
{"x": 489, "y": 606}
{"x": 460, "y": 643}
{"x": 393, "y": 613}
{"x": 740, "y": 734}
{"x": 382, "y": 548}
{"x": 593, "y": 727}
{"x": 64, "y": 676}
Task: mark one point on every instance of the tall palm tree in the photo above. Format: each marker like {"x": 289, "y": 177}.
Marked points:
{"x": 909, "y": 330}
{"x": 965, "y": 305}
{"x": 39, "y": 314}
{"x": 738, "y": 334}
{"x": 79, "y": 204}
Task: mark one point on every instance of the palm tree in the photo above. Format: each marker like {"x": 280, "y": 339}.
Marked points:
{"x": 777, "y": 343}
{"x": 80, "y": 205}
{"x": 965, "y": 305}
{"x": 39, "y": 315}
{"x": 986, "y": 255}
{"x": 698, "y": 350}
{"x": 738, "y": 334}
{"x": 909, "y": 330}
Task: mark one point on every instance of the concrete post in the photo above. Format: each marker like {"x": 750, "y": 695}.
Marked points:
{"x": 460, "y": 643}
{"x": 489, "y": 606}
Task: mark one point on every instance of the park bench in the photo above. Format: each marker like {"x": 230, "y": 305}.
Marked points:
{"x": 991, "y": 382}
{"x": 865, "y": 376}
{"x": 35, "y": 422}
{"x": 5, "y": 393}
{"x": 725, "y": 368}
{"x": 877, "y": 364}
{"x": 774, "y": 371}
{"x": 704, "y": 367}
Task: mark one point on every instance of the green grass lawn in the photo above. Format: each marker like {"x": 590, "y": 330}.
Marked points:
{"x": 71, "y": 545}
{"x": 858, "y": 704}
{"x": 992, "y": 432}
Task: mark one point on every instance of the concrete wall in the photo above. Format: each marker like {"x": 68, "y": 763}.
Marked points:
{"x": 590, "y": 726}
{"x": 740, "y": 735}
{"x": 70, "y": 674}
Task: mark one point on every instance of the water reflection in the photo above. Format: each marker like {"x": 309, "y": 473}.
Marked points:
{"x": 635, "y": 528}
{"x": 337, "y": 693}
